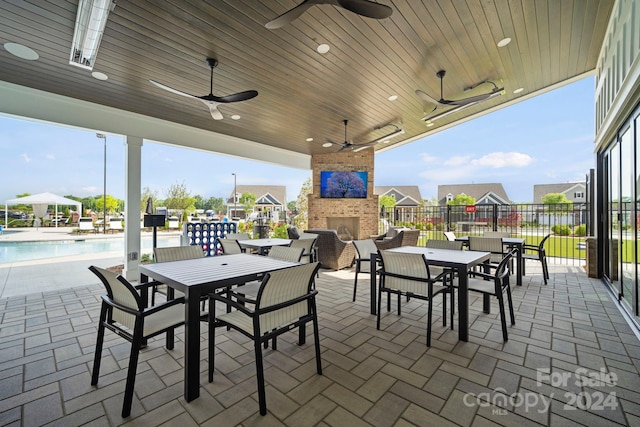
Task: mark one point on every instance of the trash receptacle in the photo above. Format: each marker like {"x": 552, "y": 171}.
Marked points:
{"x": 260, "y": 231}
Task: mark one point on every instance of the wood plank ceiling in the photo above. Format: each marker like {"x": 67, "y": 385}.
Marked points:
{"x": 302, "y": 93}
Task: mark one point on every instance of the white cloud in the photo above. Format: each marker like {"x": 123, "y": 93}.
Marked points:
{"x": 457, "y": 160}
{"x": 428, "y": 158}
{"x": 501, "y": 159}
{"x": 25, "y": 157}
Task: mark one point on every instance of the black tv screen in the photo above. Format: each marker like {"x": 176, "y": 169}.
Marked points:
{"x": 343, "y": 185}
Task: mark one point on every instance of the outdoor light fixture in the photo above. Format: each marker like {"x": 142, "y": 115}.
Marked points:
{"x": 91, "y": 18}
{"x": 393, "y": 134}
{"x": 104, "y": 193}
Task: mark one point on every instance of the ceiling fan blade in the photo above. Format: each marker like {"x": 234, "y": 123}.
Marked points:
{"x": 367, "y": 8}
{"x": 213, "y": 109}
{"x": 291, "y": 15}
{"x": 474, "y": 99}
{"x": 236, "y": 97}
{"x": 427, "y": 98}
{"x": 172, "y": 90}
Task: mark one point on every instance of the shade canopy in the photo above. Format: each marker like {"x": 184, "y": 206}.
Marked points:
{"x": 42, "y": 200}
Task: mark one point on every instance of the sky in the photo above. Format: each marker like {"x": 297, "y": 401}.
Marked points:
{"x": 543, "y": 140}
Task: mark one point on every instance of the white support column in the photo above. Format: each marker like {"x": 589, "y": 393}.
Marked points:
{"x": 132, "y": 195}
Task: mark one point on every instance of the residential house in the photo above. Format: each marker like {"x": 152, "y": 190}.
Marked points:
{"x": 271, "y": 201}
{"x": 485, "y": 194}
{"x": 408, "y": 199}
{"x": 575, "y": 191}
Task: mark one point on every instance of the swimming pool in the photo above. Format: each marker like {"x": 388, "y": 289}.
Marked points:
{"x": 27, "y": 251}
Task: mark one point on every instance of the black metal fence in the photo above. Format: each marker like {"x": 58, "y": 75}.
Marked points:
{"x": 568, "y": 224}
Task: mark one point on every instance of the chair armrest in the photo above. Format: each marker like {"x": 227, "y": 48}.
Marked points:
{"x": 232, "y": 303}
{"x": 162, "y": 306}
{"x": 147, "y": 284}
{"x": 483, "y": 275}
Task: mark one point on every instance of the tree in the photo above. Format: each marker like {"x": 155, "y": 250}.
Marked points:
{"x": 462, "y": 200}
{"x": 302, "y": 205}
{"x": 179, "y": 198}
{"x": 387, "y": 201}
{"x": 248, "y": 200}
{"x": 555, "y": 199}
{"x": 112, "y": 204}
{"x": 216, "y": 204}
{"x": 341, "y": 184}
{"x": 557, "y": 202}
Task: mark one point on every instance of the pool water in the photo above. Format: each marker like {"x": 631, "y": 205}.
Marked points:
{"x": 27, "y": 251}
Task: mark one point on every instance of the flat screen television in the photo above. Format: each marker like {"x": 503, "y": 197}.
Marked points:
{"x": 343, "y": 185}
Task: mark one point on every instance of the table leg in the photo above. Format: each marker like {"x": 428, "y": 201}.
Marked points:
{"x": 463, "y": 304}
{"x": 372, "y": 282}
{"x": 192, "y": 345}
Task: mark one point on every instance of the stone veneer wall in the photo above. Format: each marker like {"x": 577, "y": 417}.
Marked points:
{"x": 364, "y": 209}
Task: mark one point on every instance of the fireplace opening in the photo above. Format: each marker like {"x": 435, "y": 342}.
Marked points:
{"x": 348, "y": 228}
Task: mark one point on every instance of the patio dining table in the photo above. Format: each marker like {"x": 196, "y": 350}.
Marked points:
{"x": 460, "y": 261}
{"x": 263, "y": 245}
{"x": 198, "y": 277}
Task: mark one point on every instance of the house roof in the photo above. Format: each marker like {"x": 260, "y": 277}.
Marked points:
{"x": 406, "y": 195}
{"x": 477, "y": 191}
{"x": 271, "y": 194}
{"x": 541, "y": 190}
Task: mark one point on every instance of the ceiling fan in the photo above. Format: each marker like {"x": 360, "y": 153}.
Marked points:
{"x": 496, "y": 91}
{"x": 358, "y": 147}
{"x": 211, "y": 100}
{"x": 367, "y": 8}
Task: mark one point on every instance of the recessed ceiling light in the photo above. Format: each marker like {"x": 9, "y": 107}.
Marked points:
{"x": 393, "y": 97}
{"x": 235, "y": 117}
{"x": 505, "y": 41}
{"x": 21, "y": 51}
{"x": 100, "y": 76}
{"x": 323, "y": 48}
{"x": 520, "y": 89}
{"x": 327, "y": 144}
{"x": 309, "y": 139}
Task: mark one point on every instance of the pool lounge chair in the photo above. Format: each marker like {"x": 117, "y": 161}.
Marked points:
{"x": 85, "y": 224}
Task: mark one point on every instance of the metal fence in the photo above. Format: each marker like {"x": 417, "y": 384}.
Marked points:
{"x": 568, "y": 224}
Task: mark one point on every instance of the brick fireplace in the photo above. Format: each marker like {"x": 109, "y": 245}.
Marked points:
{"x": 356, "y": 218}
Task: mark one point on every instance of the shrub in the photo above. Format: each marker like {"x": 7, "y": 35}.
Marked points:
{"x": 428, "y": 226}
{"x": 580, "y": 230}
{"x": 561, "y": 230}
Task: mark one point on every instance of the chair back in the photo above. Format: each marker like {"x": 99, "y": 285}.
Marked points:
{"x": 486, "y": 244}
{"x": 405, "y": 272}
{"x": 85, "y": 223}
{"x": 502, "y": 272}
{"x": 450, "y": 235}
{"x": 364, "y": 249}
{"x": 115, "y": 224}
{"x": 237, "y": 236}
{"x": 293, "y": 232}
{"x": 496, "y": 234}
{"x": 283, "y": 294}
{"x": 177, "y": 253}
{"x": 542, "y": 242}
{"x": 122, "y": 293}
{"x": 444, "y": 244}
{"x": 305, "y": 244}
{"x": 230, "y": 246}
{"x": 308, "y": 236}
{"x": 286, "y": 253}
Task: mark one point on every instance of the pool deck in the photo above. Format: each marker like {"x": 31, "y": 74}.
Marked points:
{"x": 49, "y": 274}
